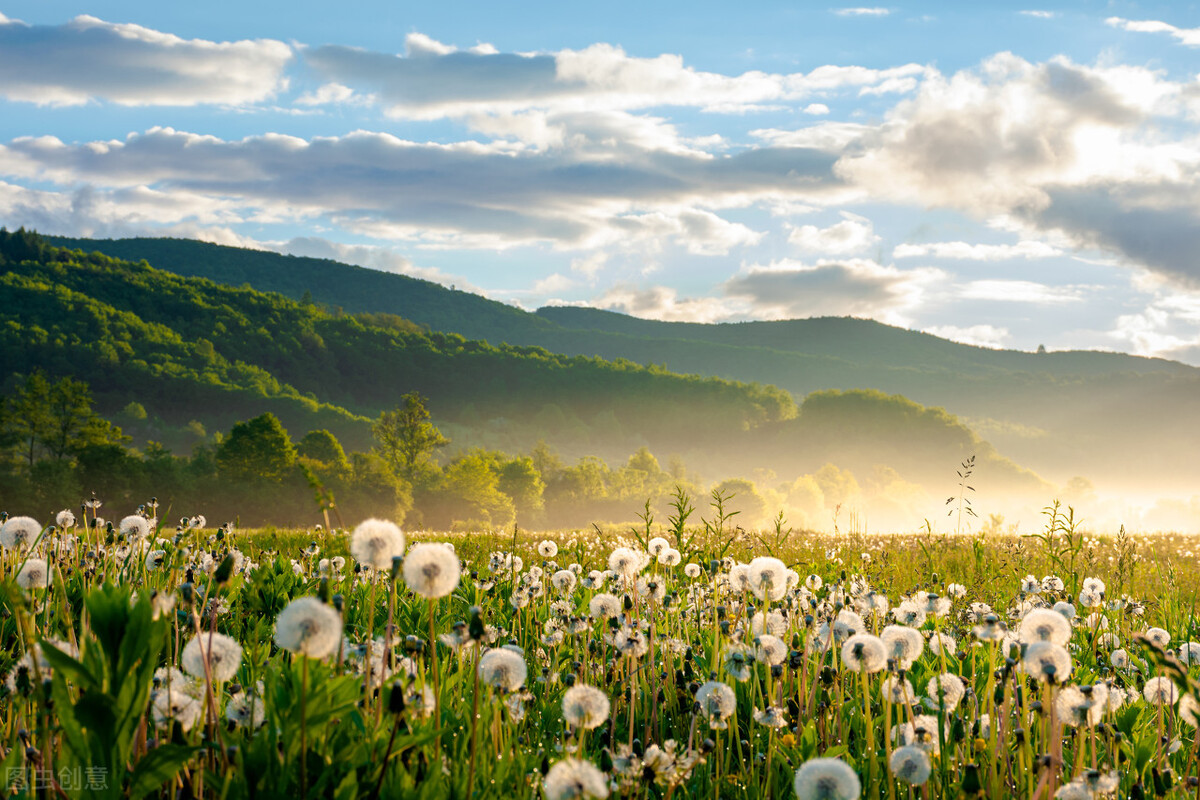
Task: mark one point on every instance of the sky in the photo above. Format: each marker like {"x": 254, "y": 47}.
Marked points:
{"x": 1002, "y": 174}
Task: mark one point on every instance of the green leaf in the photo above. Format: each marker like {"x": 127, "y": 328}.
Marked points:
{"x": 157, "y": 767}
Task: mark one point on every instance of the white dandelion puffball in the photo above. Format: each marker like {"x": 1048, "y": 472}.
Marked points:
{"x": 246, "y": 710}
{"x": 718, "y": 703}
{"x": 1047, "y": 661}
{"x": 768, "y": 578}
{"x": 692, "y": 570}
{"x": 904, "y": 644}
{"x": 547, "y": 548}
{"x": 770, "y": 650}
{"x": 627, "y": 562}
{"x": 864, "y": 653}
{"x": 910, "y": 764}
{"x": 375, "y": 542}
{"x": 657, "y": 546}
{"x": 19, "y": 532}
{"x": 604, "y": 605}
{"x": 34, "y": 575}
{"x": 431, "y": 570}
{"x": 65, "y": 519}
{"x": 585, "y": 706}
{"x": 945, "y": 691}
{"x": 572, "y": 779}
{"x": 503, "y": 669}
{"x": 134, "y": 526}
{"x": 224, "y": 656}
{"x": 177, "y": 706}
{"x": 308, "y": 627}
{"x": 1045, "y": 625}
{"x": 1158, "y": 637}
{"x": 1160, "y": 692}
{"x": 826, "y": 779}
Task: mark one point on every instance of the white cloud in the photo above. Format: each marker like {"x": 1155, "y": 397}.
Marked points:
{"x": 590, "y": 265}
{"x": 435, "y": 80}
{"x": 862, "y": 12}
{"x": 1187, "y": 36}
{"x": 1010, "y": 291}
{"x": 333, "y": 94}
{"x": 977, "y": 252}
{"x": 816, "y": 109}
{"x": 850, "y": 236}
{"x": 978, "y": 335}
{"x": 89, "y": 59}
{"x": 664, "y": 303}
{"x": 853, "y": 287}
{"x": 1039, "y": 14}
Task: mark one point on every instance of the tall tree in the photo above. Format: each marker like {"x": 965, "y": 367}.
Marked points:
{"x": 257, "y": 449}
{"x": 405, "y": 437}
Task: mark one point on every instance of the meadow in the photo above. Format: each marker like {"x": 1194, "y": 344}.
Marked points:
{"x": 682, "y": 657}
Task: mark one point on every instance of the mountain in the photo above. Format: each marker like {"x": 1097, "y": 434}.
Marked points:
{"x": 190, "y": 349}
{"x": 1114, "y": 418}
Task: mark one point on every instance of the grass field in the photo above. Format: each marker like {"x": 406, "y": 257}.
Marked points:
{"x": 668, "y": 659}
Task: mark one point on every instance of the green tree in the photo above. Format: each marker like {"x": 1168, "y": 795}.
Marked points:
{"x": 257, "y": 449}
{"x": 521, "y": 481}
{"x": 323, "y": 447}
{"x": 28, "y": 417}
{"x": 405, "y": 437}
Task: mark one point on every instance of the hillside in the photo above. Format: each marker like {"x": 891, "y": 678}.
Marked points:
{"x": 1111, "y": 417}
{"x": 192, "y": 349}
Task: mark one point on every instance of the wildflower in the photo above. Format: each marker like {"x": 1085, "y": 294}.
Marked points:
{"x": 910, "y": 764}
{"x": 563, "y": 581}
{"x": 864, "y": 653}
{"x": 717, "y": 702}
{"x": 547, "y": 548}
{"x": 1052, "y": 583}
{"x": 772, "y": 717}
{"x": 944, "y": 692}
{"x": 223, "y": 653}
{"x": 898, "y": 690}
{"x": 246, "y": 710}
{"x": 910, "y": 614}
{"x": 35, "y": 574}
{"x": 939, "y": 642}
{"x": 1160, "y": 691}
{"x": 503, "y": 669}
{"x": 768, "y": 578}
{"x": 692, "y": 570}
{"x": 585, "y": 706}
{"x": 626, "y": 562}
{"x": 826, "y": 779}
{"x": 770, "y": 650}
{"x": 1189, "y": 710}
{"x": 631, "y": 642}
{"x": 1046, "y": 661}
{"x": 773, "y": 623}
{"x": 1030, "y": 585}
{"x": 431, "y": 570}
{"x": 1189, "y": 653}
{"x": 134, "y": 526}
{"x": 375, "y": 542}
{"x": 903, "y": 644}
{"x": 604, "y": 606}
{"x": 1119, "y": 658}
{"x": 572, "y": 778}
{"x": 814, "y": 583}
{"x": 308, "y": 627}
{"x": 1093, "y": 585}
{"x": 19, "y": 532}
{"x": 64, "y": 519}
{"x": 1081, "y": 706}
{"x": 670, "y": 557}
{"x": 1044, "y": 625}
{"x": 657, "y": 546}
{"x": 1066, "y": 609}
{"x": 1158, "y": 637}
{"x": 651, "y": 589}
{"x": 737, "y": 662}
{"x": 176, "y": 706}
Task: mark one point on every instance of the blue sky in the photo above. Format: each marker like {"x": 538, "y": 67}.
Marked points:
{"x": 1001, "y": 174}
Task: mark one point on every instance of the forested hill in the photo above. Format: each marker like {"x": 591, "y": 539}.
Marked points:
{"x": 1108, "y": 416}
{"x": 192, "y": 349}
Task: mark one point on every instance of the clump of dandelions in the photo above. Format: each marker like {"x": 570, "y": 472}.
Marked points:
{"x": 826, "y": 779}
{"x": 223, "y": 653}
{"x": 585, "y": 706}
{"x": 571, "y": 778}
{"x": 35, "y": 574}
{"x": 431, "y": 570}
{"x": 375, "y": 542}
{"x": 308, "y": 627}
{"x": 503, "y": 669}
{"x": 18, "y": 533}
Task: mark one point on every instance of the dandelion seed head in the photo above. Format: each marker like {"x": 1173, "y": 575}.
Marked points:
{"x": 1046, "y": 661}
{"x": 18, "y": 533}
{"x": 717, "y": 702}
{"x": 864, "y": 653}
{"x": 375, "y": 542}
{"x": 1044, "y": 625}
{"x": 770, "y": 649}
{"x": 35, "y": 574}
{"x": 223, "y": 653}
{"x": 503, "y": 669}
{"x": 135, "y": 526}
{"x": 573, "y": 779}
{"x": 547, "y": 548}
{"x": 1160, "y": 692}
{"x": 910, "y": 764}
{"x": 431, "y": 570}
{"x": 308, "y": 627}
{"x": 826, "y": 779}
{"x": 585, "y": 706}
{"x": 904, "y": 644}
{"x": 604, "y": 606}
